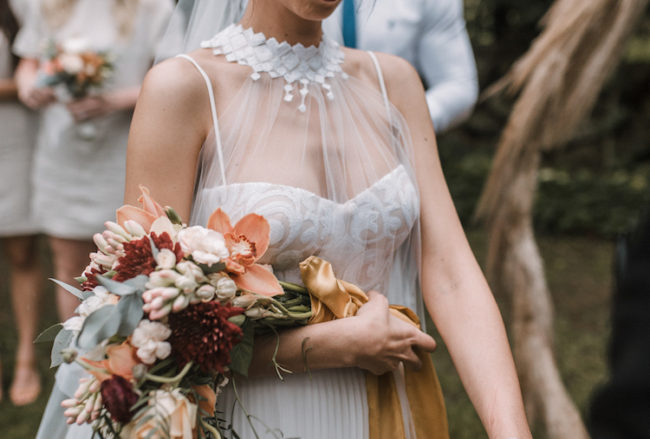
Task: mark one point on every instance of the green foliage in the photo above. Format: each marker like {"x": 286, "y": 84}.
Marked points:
{"x": 598, "y": 183}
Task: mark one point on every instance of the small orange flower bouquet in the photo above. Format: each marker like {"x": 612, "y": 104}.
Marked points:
{"x": 75, "y": 66}
{"x": 167, "y": 312}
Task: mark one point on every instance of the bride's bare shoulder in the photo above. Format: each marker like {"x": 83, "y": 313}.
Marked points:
{"x": 402, "y": 80}
{"x": 179, "y": 77}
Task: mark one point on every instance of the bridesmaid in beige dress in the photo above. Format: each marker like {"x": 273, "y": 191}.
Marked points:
{"x": 78, "y": 182}
{"x": 17, "y": 229}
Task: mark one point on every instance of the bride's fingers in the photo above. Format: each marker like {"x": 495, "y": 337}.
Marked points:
{"x": 424, "y": 341}
{"x": 377, "y": 304}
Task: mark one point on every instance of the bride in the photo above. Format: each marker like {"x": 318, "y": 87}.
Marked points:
{"x": 335, "y": 148}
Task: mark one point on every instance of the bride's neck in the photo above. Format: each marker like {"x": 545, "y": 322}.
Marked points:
{"x": 276, "y": 21}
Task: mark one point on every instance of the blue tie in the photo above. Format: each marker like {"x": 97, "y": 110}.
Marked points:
{"x": 349, "y": 24}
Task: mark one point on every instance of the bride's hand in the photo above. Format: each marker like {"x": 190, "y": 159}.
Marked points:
{"x": 385, "y": 341}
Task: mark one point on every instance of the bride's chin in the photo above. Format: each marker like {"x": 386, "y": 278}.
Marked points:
{"x": 318, "y": 9}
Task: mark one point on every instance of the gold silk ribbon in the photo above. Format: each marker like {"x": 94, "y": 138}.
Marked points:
{"x": 332, "y": 298}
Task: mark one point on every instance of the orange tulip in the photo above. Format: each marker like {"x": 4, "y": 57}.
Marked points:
{"x": 146, "y": 216}
{"x": 247, "y": 242}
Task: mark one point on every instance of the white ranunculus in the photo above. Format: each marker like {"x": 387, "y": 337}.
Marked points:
{"x": 149, "y": 338}
{"x": 100, "y": 297}
{"x": 73, "y": 323}
{"x": 205, "y": 245}
{"x": 71, "y": 64}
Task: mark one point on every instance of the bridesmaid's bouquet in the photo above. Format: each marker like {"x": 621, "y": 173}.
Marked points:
{"x": 73, "y": 69}
{"x": 167, "y": 313}
{"x": 75, "y": 66}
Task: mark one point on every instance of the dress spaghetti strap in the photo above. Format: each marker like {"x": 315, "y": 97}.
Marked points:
{"x": 382, "y": 84}
{"x": 213, "y": 110}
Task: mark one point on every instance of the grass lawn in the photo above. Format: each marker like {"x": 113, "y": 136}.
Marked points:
{"x": 579, "y": 275}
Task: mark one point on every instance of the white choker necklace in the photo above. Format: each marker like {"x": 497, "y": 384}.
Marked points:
{"x": 295, "y": 63}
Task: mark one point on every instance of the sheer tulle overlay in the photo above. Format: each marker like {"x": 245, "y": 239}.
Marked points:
{"x": 326, "y": 159}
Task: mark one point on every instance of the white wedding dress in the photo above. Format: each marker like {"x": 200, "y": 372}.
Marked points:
{"x": 334, "y": 181}
{"x": 307, "y": 138}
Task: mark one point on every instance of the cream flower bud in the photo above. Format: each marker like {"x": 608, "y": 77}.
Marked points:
{"x": 134, "y": 228}
{"x": 112, "y": 237}
{"x": 162, "y": 278}
{"x": 165, "y": 292}
{"x": 226, "y": 288}
{"x": 190, "y": 269}
{"x": 157, "y": 303}
{"x": 255, "y": 313}
{"x": 205, "y": 292}
{"x": 158, "y": 314}
{"x": 186, "y": 284}
{"x": 166, "y": 259}
{"x": 100, "y": 242}
{"x": 180, "y": 303}
{"x": 117, "y": 229}
{"x": 244, "y": 301}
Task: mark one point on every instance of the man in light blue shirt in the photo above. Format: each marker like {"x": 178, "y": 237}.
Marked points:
{"x": 430, "y": 34}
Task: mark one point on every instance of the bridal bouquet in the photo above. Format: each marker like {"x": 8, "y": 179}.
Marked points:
{"x": 167, "y": 313}
{"x": 74, "y": 66}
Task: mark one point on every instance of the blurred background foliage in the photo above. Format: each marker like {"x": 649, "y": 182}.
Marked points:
{"x": 597, "y": 183}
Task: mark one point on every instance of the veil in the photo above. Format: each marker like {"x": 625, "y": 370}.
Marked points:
{"x": 194, "y": 21}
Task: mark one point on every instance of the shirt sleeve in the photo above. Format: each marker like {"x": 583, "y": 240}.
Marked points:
{"x": 446, "y": 62}
{"x": 32, "y": 34}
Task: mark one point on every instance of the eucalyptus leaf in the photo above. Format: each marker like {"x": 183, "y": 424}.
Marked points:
{"x": 115, "y": 287}
{"x": 63, "y": 340}
{"x": 49, "y": 334}
{"x": 129, "y": 313}
{"x": 139, "y": 282}
{"x": 70, "y": 289}
{"x": 242, "y": 353}
{"x": 154, "y": 249}
{"x": 98, "y": 326}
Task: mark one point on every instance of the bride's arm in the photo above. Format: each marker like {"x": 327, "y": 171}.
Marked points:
{"x": 454, "y": 288}
{"x": 171, "y": 121}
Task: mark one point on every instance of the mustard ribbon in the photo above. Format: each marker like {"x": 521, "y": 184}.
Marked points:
{"x": 332, "y": 298}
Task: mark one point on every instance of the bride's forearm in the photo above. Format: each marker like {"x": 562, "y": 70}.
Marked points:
{"x": 374, "y": 340}
{"x": 321, "y": 346}
{"x": 469, "y": 321}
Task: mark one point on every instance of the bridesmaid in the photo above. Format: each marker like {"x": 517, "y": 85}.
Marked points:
{"x": 79, "y": 181}
{"x": 17, "y": 229}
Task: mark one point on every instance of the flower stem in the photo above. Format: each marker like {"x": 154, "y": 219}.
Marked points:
{"x": 293, "y": 287}
{"x": 213, "y": 431}
{"x": 170, "y": 380}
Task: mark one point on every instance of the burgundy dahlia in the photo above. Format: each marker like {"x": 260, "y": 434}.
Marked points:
{"x": 118, "y": 398}
{"x": 138, "y": 258}
{"x": 202, "y": 333}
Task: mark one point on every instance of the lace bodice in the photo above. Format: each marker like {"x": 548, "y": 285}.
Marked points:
{"x": 357, "y": 236}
